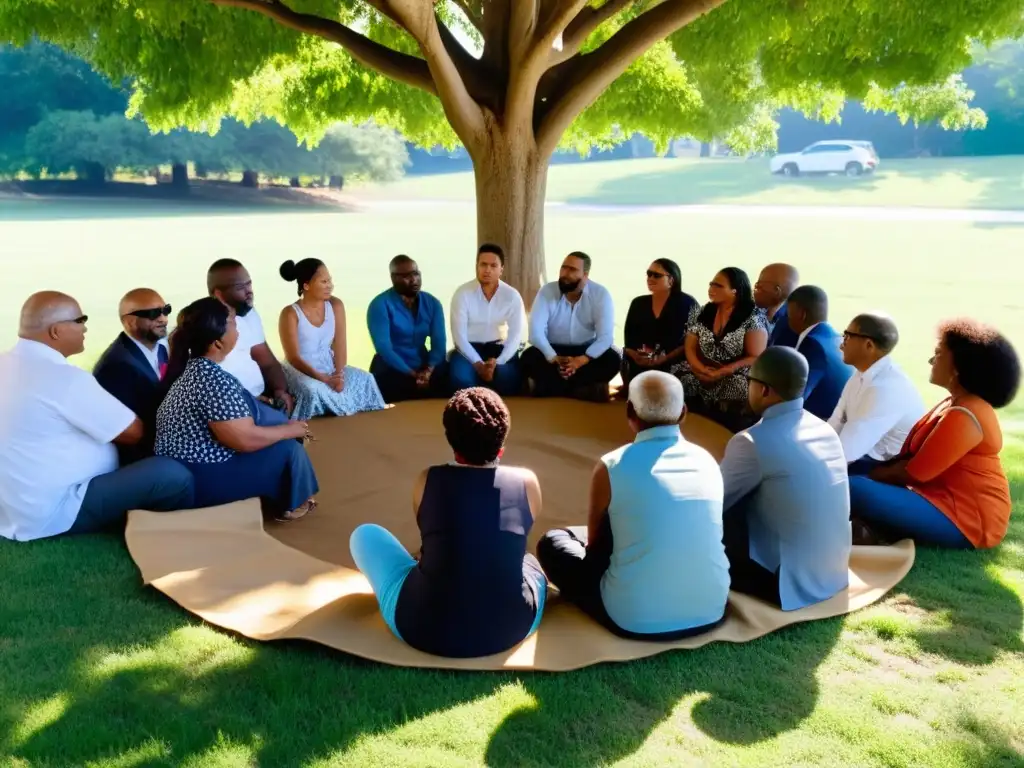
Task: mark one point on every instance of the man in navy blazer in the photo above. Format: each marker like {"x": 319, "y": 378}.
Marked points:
{"x": 132, "y": 366}
{"x": 807, "y": 310}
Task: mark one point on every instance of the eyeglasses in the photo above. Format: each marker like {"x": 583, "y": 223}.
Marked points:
{"x": 851, "y": 335}
{"x": 81, "y": 320}
{"x": 656, "y": 275}
{"x": 406, "y": 275}
{"x": 151, "y": 314}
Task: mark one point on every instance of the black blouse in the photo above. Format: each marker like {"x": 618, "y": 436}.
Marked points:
{"x": 665, "y": 332}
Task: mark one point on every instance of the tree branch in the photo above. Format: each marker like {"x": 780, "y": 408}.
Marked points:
{"x": 587, "y": 75}
{"x": 581, "y": 27}
{"x": 462, "y": 110}
{"x": 480, "y": 77}
{"x": 402, "y": 67}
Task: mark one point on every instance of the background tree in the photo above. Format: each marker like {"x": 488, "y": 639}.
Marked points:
{"x": 533, "y": 74}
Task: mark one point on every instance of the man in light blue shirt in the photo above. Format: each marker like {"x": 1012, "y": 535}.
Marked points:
{"x": 401, "y": 320}
{"x": 787, "y": 495}
{"x": 572, "y": 330}
{"x": 651, "y": 564}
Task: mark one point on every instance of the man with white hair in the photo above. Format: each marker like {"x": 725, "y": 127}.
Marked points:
{"x": 650, "y": 564}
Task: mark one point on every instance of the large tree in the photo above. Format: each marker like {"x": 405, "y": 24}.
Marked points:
{"x": 514, "y": 79}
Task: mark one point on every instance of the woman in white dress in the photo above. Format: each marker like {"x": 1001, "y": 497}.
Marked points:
{"x": 313, "y": 336}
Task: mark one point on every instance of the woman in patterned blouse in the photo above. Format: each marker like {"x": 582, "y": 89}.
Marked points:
{"x": 206, "y": 422}
{"x": 721, "y": 345}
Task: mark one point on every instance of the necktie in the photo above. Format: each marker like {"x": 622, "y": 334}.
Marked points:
{"x": 161, "y": 359}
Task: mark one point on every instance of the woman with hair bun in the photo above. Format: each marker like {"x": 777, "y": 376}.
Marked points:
{"x": 206, "y": 422}
{"x": 475, "y": 590}
{"x": 947, "y": 487}
{"x": 313, "y": 336}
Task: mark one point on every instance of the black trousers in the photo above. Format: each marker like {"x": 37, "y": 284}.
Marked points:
{"x": 577, "y": 570}
{"x": 396, "y": 386}
{"x": 746, "y": 575}
{"x": 548, "y": 381}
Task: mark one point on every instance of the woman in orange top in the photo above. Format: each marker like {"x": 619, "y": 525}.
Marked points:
{"x": 947, "y": 487}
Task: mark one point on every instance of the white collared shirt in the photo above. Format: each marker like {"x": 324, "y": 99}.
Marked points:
{"x": 803, "y": 335}
{"x": 152, "y": 355}
{"x": 239, "y": 362}
{"x": 590, "y": 321}
{"x": 876, "y": 411}
{"x": 474, "y": 319}
{"x": 57, "y": 425}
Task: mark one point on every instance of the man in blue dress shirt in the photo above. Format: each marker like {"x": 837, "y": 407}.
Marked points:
{"x": 771, "y": 291}
{"x": 572, "y": 327}
{"x": 787, "y": 493}
{"x": 401, "y": 320}
{"x": 819, "y": 343}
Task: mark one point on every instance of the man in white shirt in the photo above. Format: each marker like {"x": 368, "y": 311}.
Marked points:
{"x": 132, "y": 367}
{"x": 58, "y": 429}
{"x": 572, "y": 328}
{"x": 487, "y": 322}
{"x": 251, "y": 361}
{"x": 879, "y": 404}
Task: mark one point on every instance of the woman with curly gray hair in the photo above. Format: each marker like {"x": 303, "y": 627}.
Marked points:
{"x": 474, "y": 590}
{"x": 947, "y": 487}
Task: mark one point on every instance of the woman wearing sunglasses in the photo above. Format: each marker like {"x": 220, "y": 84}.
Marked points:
{"x": 722, "y": 343}
{"x": 656, "y": 324}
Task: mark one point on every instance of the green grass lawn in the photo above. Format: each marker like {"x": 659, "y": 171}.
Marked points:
{"x": 97, "y": 670}
{"x": 962, "y": 182}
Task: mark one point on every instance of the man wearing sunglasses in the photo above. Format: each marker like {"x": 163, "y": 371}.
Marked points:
{"x": 132, "y": 366}
{"x": 58, "y": 435}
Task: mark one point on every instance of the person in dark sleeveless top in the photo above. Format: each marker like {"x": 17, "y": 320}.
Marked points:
{"x": 474, "y": 590}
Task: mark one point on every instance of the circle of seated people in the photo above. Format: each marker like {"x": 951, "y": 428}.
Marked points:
{"x": 220, "y": 420}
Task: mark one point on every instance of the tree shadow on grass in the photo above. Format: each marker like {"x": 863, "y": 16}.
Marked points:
{"x": 95, "y": 667}
{"x": 740, "y": 694}
{"x": 982, "y": 615}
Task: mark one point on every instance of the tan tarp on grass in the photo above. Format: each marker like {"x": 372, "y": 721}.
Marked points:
{"x": 295, "y": 580}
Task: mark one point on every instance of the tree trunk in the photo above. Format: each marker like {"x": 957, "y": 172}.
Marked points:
{"x": 92, "y": 173}
{"x": 511, "y": 183}
{"x": 337, "y": 182}
{"x": 250, "y": 179}
{"x": 294, "y": 182}
{"x": 179, "y": 176}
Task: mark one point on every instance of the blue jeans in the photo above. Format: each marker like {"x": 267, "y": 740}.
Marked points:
{"x": 386, "y": 563}
{"x": 264, "y": 415}
{"x": 158, "y": 483}
{"x": 507, "y": 379}
{"x": 280, "y": 473}
{"x": 902, "y": 512}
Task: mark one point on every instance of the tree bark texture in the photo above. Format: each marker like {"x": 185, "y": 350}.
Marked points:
{"x": 511, "y": 183}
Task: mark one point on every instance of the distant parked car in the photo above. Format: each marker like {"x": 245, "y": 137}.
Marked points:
{"x": 850, "y": 157}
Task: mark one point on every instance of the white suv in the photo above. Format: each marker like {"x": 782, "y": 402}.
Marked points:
{"x": 850, "y": 157}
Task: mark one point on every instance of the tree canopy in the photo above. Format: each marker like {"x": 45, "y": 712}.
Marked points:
{"x": 513, "y": 79}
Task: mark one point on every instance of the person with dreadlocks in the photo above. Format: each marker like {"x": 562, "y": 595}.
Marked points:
{"x": 474, "y": 591}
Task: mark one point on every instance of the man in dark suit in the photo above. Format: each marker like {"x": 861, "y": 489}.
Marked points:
{"x": 132, "y": 366}
{"x": 807, "y": 310}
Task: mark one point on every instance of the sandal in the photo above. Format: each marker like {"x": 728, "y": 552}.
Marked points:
{"x": 298, "y": 513}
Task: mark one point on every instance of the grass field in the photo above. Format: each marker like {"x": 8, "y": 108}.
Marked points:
{"x": 961, "y": 182}
{"x": 96, "y": 670}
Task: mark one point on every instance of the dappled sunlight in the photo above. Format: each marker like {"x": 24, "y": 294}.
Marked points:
{"x": 196, "y": 650}
{"x": 38, "y": 717}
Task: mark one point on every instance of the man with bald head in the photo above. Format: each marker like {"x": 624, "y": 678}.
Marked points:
{"x": 251, "y": 361}
{"x": 787, "y": 497}
{"x": 650, "y": 564}
{"x": 879, "y": 404}
{"x": 771, "y": 290}
{"x": 132, "y": 366}
{"x": 58, "y": 430}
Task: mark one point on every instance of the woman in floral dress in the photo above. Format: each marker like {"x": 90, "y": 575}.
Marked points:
{"x": 721, "y": 344}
